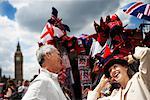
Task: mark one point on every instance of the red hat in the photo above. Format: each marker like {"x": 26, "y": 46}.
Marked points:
{"x": 119, "y": 59}
{"x": 114, "y": 17}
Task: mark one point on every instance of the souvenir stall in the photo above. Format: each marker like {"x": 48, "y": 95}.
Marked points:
{"x": 85, "y": 56}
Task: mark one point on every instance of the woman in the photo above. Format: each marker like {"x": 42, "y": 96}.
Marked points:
{"x": 136, "y": 87}
{"x": 10, "y": 92}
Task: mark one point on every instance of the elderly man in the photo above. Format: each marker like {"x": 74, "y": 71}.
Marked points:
{"x": 46, "y": 86}
{"x": 134, "y": 87}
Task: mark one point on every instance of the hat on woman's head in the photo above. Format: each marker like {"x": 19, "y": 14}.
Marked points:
{"x": 114, "y": 17}
{"x": 118, "y": 59}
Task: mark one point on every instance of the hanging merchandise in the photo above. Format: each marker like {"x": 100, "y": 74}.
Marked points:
{"x": 85, "y": 73}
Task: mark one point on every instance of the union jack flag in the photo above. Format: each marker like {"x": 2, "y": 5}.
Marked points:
{"x": 138, "y": 9}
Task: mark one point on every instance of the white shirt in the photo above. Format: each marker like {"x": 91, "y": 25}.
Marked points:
{"x": 45, "y": 87}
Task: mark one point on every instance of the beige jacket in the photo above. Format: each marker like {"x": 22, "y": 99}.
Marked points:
{"x": 138, "y": 87}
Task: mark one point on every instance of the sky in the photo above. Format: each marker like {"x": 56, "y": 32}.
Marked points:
{"x": 23, "y": 21}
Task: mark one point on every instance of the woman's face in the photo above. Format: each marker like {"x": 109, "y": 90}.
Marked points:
{"x": 118, "y": 73}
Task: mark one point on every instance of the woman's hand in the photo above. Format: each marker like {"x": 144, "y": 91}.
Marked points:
{"x": 130, "y": 59}
{"x": 101, "y": 84}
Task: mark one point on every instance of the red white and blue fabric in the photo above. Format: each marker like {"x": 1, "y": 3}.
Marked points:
{"x": 107, "y": 49}
{"x": 95, "y": 48}
{"x": 138, "y": 9}
{"x": 115, "y": 23}
{"x": 49, "y": 32}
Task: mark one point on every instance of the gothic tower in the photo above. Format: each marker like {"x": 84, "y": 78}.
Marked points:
{"x": 18, "y": 59}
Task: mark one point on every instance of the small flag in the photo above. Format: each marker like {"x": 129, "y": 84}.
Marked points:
{"x": 107, "y": 52}
{"x": 49, "y": 32}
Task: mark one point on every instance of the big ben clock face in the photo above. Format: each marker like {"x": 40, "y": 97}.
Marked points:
{"x": 18, "y": 58}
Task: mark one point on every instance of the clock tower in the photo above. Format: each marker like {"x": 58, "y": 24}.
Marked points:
{"x": 18, "y": 59}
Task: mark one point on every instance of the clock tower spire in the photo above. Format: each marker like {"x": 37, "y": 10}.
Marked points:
{"x": 18, "y": 59}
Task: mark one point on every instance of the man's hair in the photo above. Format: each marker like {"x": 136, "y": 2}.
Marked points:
{"x": 42, "y": 51}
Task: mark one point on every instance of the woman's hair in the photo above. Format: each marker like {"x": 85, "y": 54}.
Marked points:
{"x": 130, "y": 72}
{"x": 11, "y": 83}
{"x": 111, "y": 63}
{"x": 133, "y": 68}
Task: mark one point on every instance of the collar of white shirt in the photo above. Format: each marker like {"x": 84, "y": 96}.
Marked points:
{"x": 49, "y": 74}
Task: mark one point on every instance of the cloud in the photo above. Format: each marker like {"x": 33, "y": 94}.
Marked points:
{"x": 34, "y": 16}
{"x": 30, "y": 70}
{"x": 19, "y": 3}
{"x": 6, "y": 38}
{"x": 77, "y": 14}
